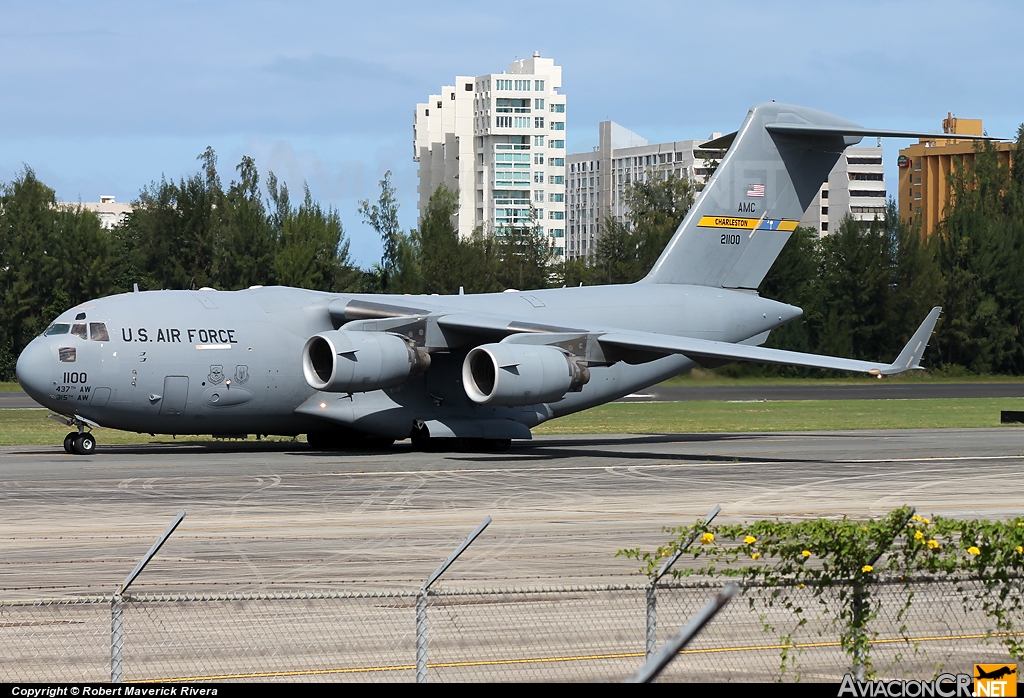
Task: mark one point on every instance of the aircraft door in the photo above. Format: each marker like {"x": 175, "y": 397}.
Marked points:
{"x": 175, "y": 395}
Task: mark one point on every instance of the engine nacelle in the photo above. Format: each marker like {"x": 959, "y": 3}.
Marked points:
{"x": 355, "y": 362}
{"x": 520, "y": 374}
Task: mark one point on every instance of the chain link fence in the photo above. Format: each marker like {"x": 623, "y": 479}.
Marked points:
{"x": 596, "y": 633}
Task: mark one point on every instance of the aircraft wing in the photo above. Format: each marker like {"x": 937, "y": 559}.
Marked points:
{"x": 909, "y": 358}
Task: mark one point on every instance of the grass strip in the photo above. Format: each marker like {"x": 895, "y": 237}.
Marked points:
{"x": 782, "y": 415}
{"x": 31, "y": 427}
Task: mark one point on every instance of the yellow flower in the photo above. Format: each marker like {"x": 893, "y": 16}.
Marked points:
{"x": 800, "y": 586}
{"x": 664, "y": 553}
{"x": 806, "y": 553}
{"x": 915, "y": 517}
{"x": 749, "y": 540}
{"x": 1020, "y": 523}
{"x": 933, "y": 544}
{"x": 927, "y": 521}
{"x": 973, "y": 550}
{"x": 867, "y": 569}
{"x": 707, "y": 538}
{"x": 755, "y": 556}
{"x": 918, "y": 535}
{"x": 1019, "y": 549}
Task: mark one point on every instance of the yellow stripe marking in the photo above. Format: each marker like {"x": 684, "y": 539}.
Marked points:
{"x": 743, "y": 223}
{"x": 550, "y": 660}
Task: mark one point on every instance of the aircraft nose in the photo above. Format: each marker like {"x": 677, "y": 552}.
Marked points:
{"x": 35, "y": 369}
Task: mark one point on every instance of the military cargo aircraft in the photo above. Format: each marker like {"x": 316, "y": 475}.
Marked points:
{"x": 350, "y": 369}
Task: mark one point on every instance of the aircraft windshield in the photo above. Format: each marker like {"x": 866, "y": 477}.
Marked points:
{"x": 58, "y": 328}
{"x": 78, "y": 329}
{"x": 98, "y": 332}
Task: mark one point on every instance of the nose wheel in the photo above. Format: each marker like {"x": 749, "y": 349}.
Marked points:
{"x": 83, "y": 444}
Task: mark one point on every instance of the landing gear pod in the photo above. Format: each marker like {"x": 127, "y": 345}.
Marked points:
{"x": 520, "y": 374}
{"x": 353, "y": 362}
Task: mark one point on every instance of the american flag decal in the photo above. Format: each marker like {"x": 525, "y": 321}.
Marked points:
{"x": 755, "y": 190}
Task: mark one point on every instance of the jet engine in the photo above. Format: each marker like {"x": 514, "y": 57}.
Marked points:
{"x": 520, "y": 374}
{"x": 353, "y": 362}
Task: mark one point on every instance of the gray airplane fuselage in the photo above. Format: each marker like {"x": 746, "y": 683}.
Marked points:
{"x": 230, "y": 362}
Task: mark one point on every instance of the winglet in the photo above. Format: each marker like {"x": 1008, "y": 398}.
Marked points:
{"x": 910, "y": 357}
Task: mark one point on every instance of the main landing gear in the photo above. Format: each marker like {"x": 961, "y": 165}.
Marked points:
{"x": 81, "y": 442}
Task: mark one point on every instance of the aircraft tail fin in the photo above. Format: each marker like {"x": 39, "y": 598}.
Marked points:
{"x": 773, "y": 168}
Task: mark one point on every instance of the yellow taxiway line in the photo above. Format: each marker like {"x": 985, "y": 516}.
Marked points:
{"x": 549, "y": 660}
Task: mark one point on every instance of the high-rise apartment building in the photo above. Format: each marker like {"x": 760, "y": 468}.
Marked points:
{"x": 598, "y": 179}
{"x": 498, "y": 139}
{"x": 925, "y": 167}
{"x": 855, "y": 186}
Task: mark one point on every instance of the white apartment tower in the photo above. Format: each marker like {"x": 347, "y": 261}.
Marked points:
{"x": 598, "y": 179}
{"x": 498, "y": 139}
{"x": 856, "y": 186}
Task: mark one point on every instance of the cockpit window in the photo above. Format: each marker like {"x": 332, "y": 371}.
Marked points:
{"x": 78, "y": 329}
{"x": 67, "y": 355}
{"x": 58, "y": 328}
{"x": 98, "y": 332}
{"x": 80, "y": 316}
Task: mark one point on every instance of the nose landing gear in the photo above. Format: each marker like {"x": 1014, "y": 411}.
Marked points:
{"x": 81, "y": 442}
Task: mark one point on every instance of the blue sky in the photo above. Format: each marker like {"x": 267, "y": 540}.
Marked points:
{"x": 105, "y": 97}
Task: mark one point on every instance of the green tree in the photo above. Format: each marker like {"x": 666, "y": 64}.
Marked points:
{"x": 312, "y": 251}
{"x": 442, "y": 259}
{"x": 979, "y": 243}
{"x": 246, "y": 238}
{"x": 626, "y": 251}
{"x": 171, "y": 237}
{"x": 484, "y": 262}
{"x": 383, "y": 217}
{"x": 857, "y": 278}
{"x": 917, "y": 277}
{"x": 524, "y": 256}
{"x": 656, "y": 208}
{"x": 52, "y": 256}
{"x": 617, "y": 257}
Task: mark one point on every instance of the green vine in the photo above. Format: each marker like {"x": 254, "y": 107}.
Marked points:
{"x": 841, "y": 563}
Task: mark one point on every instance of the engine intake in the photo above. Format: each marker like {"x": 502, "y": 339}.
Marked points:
{"x": 520, "y": 374}
{"x": 353, "y": 362}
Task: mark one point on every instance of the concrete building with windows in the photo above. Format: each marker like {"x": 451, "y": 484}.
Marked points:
{"x": 856, "y": 186}
{"x": 106, "y": 209}
{"x": 925, "y": 167}
{"x": 598, "y": 180}
{"x": 499, "y": 139}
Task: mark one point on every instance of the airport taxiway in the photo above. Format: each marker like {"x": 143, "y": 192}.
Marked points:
{"x": 266, "y": 516}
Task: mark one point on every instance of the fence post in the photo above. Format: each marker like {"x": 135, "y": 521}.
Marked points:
{"x": 116, "y": 639}
{"x": 117, "y": 604}
{"x": 421, "y": 601}
{"x": 652, "y": 593}
{"x": 860, "y": 609}
{"x": 670, "y": 650}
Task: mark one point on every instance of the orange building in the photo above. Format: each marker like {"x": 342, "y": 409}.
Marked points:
{"x": 924, "y": 171}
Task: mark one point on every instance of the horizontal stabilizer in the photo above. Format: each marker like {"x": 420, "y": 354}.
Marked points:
{"x": 909, "y": 358}
{"x": 854, "y": 134}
